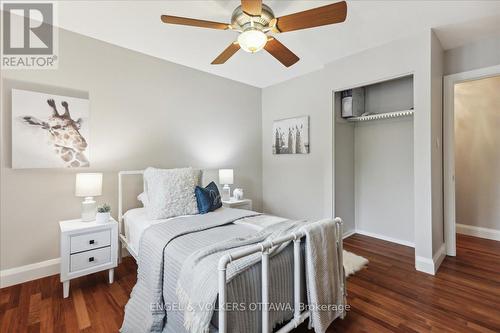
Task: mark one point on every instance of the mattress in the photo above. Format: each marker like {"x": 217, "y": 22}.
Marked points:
{"x": 135, "y": 222}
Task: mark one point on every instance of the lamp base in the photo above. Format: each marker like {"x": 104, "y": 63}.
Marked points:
{"x": 88, "y": 209}
{"x": 226, "y": 193}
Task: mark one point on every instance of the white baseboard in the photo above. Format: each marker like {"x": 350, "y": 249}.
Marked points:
{"x": 38, "y": 270}
{"x": 12, "y": 276}
{"x": 422, "y": 264}
{"x": 348, "y": 233}
{"x": 431, "y": 266}
{"x": 470, "y": 230}
{"x": 425, "y": 265}
{"x": 383, "y": 237}
{"x": 439, "y": 257}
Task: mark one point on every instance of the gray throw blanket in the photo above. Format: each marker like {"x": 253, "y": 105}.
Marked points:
{"x": 197, "y": 287}
{"x": 324, "y": 290}
{"x": 145, "y": 311}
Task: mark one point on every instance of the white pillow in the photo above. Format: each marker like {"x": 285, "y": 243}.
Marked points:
{"x": 170, "y": 192}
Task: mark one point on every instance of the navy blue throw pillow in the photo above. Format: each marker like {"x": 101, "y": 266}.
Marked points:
{"x": 208, "y": 198}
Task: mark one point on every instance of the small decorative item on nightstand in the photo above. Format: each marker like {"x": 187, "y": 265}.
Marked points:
{"x": 86, "y": 248}
{"x": 241, "y": 204}
{"x": 103, "y": 214}
{"x": 238, "y": 193}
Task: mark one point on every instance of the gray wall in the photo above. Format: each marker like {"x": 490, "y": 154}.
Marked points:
{"x": 144, "y": 112}
{"x": 479, "y": 54}
{"x": 477, "y": 152}
{"x": 344, "y": 167}
{"x": 303, "y": 184}
{"x": 383, "y": 150}
{"x": 299, "y": 186}
{"x": 384, "y": 178}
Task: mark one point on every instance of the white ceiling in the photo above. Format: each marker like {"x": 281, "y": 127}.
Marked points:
{"x": 136, "y": 25}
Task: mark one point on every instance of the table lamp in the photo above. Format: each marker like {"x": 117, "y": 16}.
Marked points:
{"x": 226, "y": 178}
{"x": 88, "y": 185}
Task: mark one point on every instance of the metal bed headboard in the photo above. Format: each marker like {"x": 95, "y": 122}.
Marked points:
{"x": 121, "y": 233}
{"x": 120, "y": 190}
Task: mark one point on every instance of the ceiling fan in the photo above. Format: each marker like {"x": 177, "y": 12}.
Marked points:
{"x": 255, "y": 22}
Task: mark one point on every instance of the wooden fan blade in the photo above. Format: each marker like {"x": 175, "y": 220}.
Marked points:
{"x": 281, "y": 52}
{"x": 252, "y": 7}
{"x": 194, "y": 22}
{"x": 226, "y": 54}
{"x": 329, "y": 14}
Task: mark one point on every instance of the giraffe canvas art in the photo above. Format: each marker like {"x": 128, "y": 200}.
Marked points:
{"x": 49, "y": 131}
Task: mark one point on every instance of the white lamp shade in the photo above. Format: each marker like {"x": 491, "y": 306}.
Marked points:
{"x": 88, "y": 184}
{"x": 226, "y": 176}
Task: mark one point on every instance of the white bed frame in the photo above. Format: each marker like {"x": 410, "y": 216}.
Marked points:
{"x": 298, "y": 316}
{"x": 121, "y": 227}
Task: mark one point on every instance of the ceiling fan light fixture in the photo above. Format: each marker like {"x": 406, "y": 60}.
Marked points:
{"x": 254, "y": 20}
{"x": 252, "y": 40}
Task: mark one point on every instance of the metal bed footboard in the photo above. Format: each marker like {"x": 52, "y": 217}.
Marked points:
{"x": 298, "y": 316}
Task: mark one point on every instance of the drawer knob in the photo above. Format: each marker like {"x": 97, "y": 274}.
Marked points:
{"x": 91, "y": 241}
{"x": 91, "y": 259}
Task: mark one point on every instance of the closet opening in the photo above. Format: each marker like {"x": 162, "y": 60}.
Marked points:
{"x": 373, "y": 159}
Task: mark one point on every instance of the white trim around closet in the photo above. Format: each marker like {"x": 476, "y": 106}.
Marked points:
{"x": 430, "y": 266}
{"x": 449, "y": 148}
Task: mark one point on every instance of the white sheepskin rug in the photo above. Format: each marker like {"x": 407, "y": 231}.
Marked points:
{"x": 353, "y": 263}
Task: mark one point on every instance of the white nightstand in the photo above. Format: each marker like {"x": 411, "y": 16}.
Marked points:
{"x": 241, "y": 204}
{"x": 86, "y": 248}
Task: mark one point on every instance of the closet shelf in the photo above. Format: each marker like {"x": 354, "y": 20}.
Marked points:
{"x": 386, "y": 115}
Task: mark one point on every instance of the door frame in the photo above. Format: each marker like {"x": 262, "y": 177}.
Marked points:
{"x": 449, "y": 148}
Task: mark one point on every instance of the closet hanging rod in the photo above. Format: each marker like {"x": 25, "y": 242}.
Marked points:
{"x": 386, "y": 115}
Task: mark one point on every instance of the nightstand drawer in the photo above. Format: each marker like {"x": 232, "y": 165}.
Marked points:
{"x": 90, "y": 241}
{"x": 88, "y": 259}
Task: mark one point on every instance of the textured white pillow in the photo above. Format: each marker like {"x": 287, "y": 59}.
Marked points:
{"x": 170, "y": 192}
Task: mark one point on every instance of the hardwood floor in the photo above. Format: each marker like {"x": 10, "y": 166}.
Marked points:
{"x": 388, "y": 296}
